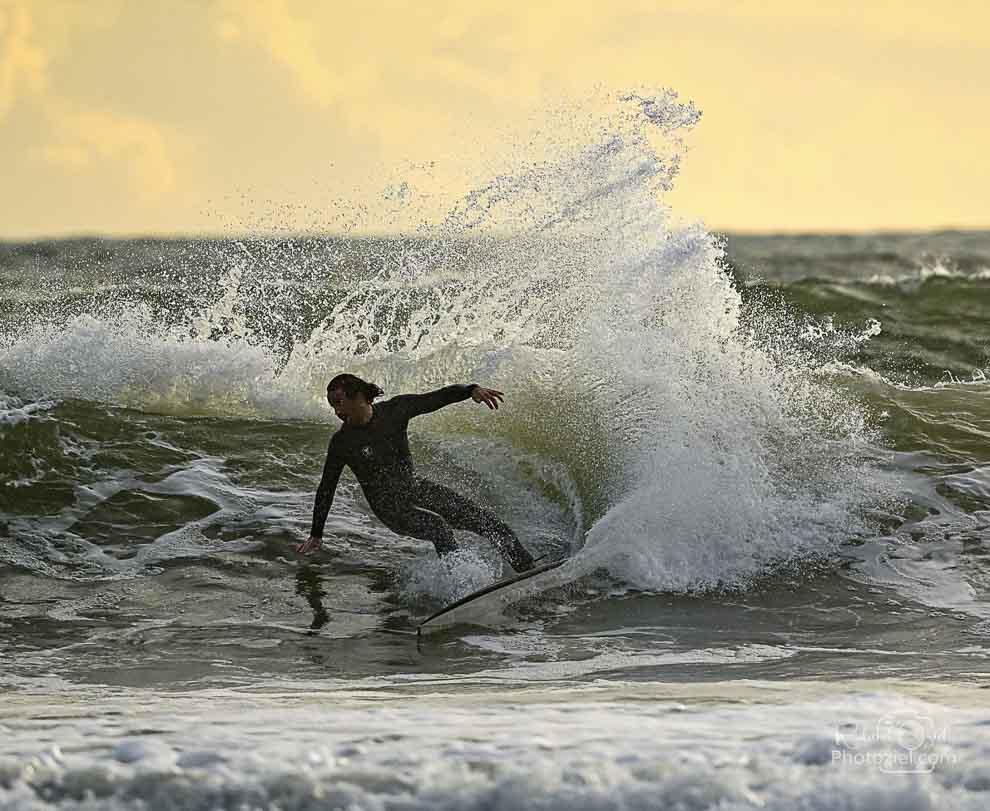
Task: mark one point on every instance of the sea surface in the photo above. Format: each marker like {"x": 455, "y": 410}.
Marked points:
{"x": 766, "y": 457}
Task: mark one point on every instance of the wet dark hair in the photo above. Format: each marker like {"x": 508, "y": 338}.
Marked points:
{"x": 352, "y": 385}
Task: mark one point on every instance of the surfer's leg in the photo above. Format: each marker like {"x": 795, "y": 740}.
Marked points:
{"x": 462, "y": 513}
{"x": 422, "y": 524}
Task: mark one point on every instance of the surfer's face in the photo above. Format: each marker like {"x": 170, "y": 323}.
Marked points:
{"x": 338, "y": 402}
{"x": 344, "y": 406}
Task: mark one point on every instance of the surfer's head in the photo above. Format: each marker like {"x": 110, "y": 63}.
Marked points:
{"x": 349, "y": 396}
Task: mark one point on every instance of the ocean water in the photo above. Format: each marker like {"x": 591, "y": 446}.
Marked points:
{"x": 767, "y": 457}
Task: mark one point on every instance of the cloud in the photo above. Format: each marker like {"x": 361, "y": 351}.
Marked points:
{"x": 78, "y": 138}
{"x": 99, "y": 160}
{"x": 358, "y": 58}
{"x": 87, "y": 137}
{"x": 23, "y": 62}
{"x": 291, "y": 42}
{"x": 68, "y": 156}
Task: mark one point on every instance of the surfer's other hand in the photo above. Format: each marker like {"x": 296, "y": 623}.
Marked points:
{"x": 310, "y": 545}
{"x": 490, "y": 397}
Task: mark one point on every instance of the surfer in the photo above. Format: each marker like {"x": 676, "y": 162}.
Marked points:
{"x": 373, "y": 442}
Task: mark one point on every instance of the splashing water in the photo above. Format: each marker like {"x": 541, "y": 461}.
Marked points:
{"x": 700, "y": 455}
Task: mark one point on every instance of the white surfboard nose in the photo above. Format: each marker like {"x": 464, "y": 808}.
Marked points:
{"x": 489, "y": 600}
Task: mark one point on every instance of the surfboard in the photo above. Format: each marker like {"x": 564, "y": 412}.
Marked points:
{"x": 503, "y": 593}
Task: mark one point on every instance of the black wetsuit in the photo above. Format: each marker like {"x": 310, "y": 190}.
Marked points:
{"x": 378, "y": 454}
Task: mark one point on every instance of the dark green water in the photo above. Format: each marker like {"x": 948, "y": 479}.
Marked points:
{"x": 163, "y": 434}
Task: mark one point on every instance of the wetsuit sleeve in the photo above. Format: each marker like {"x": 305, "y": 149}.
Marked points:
{"x": 412, "y": 405}
{"x": 324, "y": 493}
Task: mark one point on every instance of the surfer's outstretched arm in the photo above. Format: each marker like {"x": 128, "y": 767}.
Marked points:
{"x": 332, "y": 469}
{"x": 415, "y": 404}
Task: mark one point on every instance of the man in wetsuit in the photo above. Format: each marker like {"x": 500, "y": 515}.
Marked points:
{"x": 374, "y": 444}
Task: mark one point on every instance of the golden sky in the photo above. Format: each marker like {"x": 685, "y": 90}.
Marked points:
{"x": 183, "y": 116}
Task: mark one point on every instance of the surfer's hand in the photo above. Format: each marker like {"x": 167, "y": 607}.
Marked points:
{"x": 310, "y": 545}
{"x": 490, "y": 397}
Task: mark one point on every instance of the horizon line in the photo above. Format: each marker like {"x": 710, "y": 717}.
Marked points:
{"x": 124, "y": 236}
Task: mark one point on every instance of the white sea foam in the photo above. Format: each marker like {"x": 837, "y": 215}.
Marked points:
{"x": 495, "y": 750}
{"x": 449, "y": 578}
{"x": 14, "y": 410}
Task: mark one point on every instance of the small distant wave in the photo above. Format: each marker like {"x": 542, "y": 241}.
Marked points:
{"x": 14, "y": 410}
{"x": 927, "y": 274}
{"x": 977, "y": 377}
{"x": 915, "y": 281}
